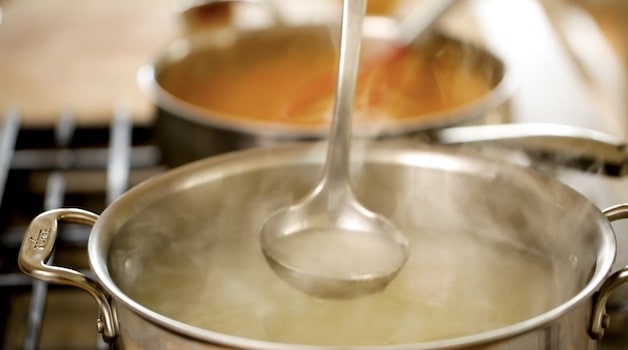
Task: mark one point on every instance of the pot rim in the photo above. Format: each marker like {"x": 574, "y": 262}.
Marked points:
{"x": 147, "y": 78}
{"x": 187, "y": 176}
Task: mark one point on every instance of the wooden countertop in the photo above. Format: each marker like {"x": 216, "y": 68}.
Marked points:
{"x": 83, "y": 55}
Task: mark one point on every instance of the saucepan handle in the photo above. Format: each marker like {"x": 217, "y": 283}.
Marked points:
{"x": 560, "y": 145}
{"x": 189, "y": 10}
{"x": 37, "y": 246}
{"x": 600, "y": 319}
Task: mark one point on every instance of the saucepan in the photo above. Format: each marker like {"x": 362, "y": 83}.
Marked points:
{"x": 503, "y": 256}
{"x": 232, "y": 88}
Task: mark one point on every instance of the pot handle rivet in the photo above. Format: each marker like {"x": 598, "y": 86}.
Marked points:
{"x": 36, "y": 248}
{"x": 600, "y": 320}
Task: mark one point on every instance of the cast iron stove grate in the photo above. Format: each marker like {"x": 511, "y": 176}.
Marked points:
{"x": 67, "y": 166}
{"x": 63, "y": 166}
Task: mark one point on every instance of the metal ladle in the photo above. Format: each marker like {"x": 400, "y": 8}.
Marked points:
{"x": 328, "y": 245}
{"x": 412, "y": 32}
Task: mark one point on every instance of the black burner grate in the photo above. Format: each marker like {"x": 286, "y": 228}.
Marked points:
{"x": 68, "y": 166}
{"x": 64, "y": 166}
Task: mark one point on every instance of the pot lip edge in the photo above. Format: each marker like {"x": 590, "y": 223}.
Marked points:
{"x": 601, "y": 269}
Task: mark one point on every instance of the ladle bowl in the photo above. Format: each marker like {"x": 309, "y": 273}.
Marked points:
{"x": 329, "y": 245}
{"x": 339, "y": 249}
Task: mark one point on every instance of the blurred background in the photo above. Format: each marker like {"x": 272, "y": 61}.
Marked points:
{"x": 73, "y": 65}
{"x": 85, "y": 56}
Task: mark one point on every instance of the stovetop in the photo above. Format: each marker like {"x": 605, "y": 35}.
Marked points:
{"x": 86, "y": 168}
{"x": 48, "y": 168}
{"x": 65, "y": 165}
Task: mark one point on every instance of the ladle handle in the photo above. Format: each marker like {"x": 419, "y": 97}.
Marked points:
{"x": 339, "y": 148}
{"x": 37, "y": 245}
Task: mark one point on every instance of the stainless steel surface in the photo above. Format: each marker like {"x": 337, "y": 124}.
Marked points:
{"x": 333, "y": 201}
{"x": 601, "y": 319}
{"x": 210, "y": 132}
{"x": 37, "y": 249}
{"x": 553, "y": 203}
{"x": 556, "y": 145}
{"x": 515, "y": 30}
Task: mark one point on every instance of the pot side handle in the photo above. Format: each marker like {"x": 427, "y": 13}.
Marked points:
{"x": 36, "y": 248}
{"x": 600, "y": 320}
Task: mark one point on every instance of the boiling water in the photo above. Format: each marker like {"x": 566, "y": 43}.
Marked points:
{"x": 453, "y": 284}
{"x": 337, "y": 254}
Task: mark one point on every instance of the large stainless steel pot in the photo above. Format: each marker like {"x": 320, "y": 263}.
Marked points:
{"x": 188, "y": 132}
{"x": 221, "y": 200}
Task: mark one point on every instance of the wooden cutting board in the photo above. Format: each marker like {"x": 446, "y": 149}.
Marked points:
{"x": 79, "y": 55}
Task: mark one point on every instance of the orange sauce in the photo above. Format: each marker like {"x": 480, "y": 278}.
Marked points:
{"x": 296, "y": 85}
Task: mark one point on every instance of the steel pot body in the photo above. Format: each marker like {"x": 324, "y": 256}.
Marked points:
{"x": 566, "y": 332}
{"x": 187, "y": 131}
{"x": 223, "y": 200}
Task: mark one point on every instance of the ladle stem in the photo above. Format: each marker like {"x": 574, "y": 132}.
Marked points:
{"x": 336, "y": 172}
{"x": 307, "y": 243}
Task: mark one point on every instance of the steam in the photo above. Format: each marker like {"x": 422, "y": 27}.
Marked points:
{"x": 489, "y": 248}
